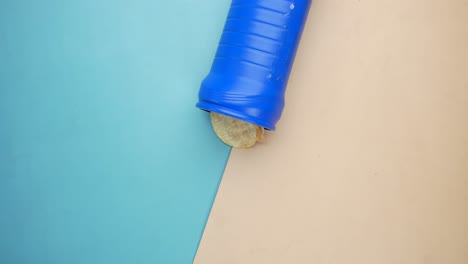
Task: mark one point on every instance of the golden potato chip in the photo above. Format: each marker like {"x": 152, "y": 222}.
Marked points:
{"x": 235, "y": 132}
{"x": 260, "y": 134}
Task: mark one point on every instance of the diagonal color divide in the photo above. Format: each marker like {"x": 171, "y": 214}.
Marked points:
{"x": 369, "y": 163}
{"x": 103, "y": 156}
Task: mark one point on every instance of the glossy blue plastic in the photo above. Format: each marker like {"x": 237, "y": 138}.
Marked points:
{"x": 254, "y": 58}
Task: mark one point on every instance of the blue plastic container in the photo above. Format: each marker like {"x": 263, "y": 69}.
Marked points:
{"x": 251, "y": 69}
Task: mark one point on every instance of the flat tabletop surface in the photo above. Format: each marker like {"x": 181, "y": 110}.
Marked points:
{"x": 369, "y": 163}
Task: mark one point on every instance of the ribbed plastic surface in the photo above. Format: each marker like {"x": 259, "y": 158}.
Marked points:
{"x": 254, "y": 58}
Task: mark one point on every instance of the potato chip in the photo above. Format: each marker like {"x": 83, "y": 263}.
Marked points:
{"x": 260, "y": 134}
{"x": 235, "y": 132}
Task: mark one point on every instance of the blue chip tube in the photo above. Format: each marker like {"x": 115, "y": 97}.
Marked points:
{"x": 250, "y": 72}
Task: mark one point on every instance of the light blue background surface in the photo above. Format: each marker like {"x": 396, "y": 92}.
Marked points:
{"x": 103, "y": 156}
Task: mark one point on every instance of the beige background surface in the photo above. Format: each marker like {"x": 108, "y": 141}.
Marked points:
{"x": 370, "y": 161}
